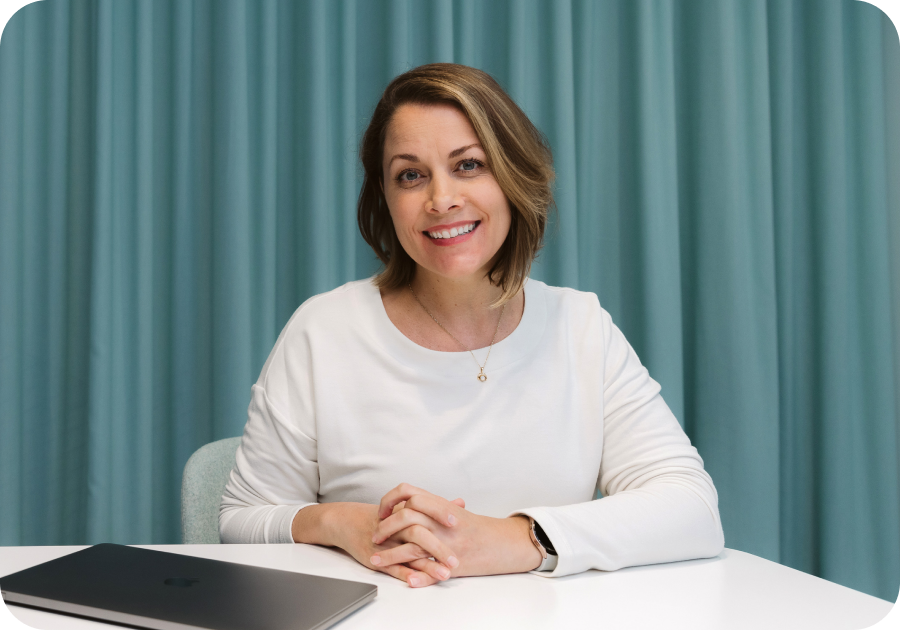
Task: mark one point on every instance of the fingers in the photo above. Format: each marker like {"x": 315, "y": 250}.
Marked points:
{"x": 459, "y": 502}
{"x": 425, "y": 545}
{"x": 401, "y": 554}
{"x": 434, "y": 507}
{"x": 430, "y": 568}
{"x": 408, "y": 553}
{"x": 400, "y": 521}
{"x": 403, "y": 492}
{"x": 412, "y": 577}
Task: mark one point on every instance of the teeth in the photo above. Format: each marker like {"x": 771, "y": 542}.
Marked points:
{"x": 465, "y": 229}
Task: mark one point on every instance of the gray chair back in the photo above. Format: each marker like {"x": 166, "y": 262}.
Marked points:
{"x": 202, "y": 486}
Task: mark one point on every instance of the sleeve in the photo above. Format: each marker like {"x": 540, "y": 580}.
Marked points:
{"x": 276, "y": 472}
{"x": 659, "y": 504}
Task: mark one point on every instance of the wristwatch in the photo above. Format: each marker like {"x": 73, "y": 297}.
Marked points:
{"x": 543, "y": 544}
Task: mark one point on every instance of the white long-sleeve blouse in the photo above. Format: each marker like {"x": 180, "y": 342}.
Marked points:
{"x": 347, "y": 407}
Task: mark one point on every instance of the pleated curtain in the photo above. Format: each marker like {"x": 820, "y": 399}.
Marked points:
{"x": 177, "y": 176}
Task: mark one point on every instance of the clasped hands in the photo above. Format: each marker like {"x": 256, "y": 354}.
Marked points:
{"x": 422, "y": 539}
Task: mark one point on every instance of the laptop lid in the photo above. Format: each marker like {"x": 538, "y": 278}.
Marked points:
{"x": 168, "y": 591}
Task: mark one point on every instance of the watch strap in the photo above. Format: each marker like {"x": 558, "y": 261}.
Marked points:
{"x": 549, "y": 563}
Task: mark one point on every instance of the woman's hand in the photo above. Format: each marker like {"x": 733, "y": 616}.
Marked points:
{"x": 411, "y": 546}
{"x": 351, "y": 526}
{"x": 482, "y": 545}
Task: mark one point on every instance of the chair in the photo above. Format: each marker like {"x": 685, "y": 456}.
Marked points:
{"x": 202, "y": 486}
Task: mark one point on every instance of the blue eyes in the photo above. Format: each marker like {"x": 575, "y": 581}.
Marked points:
{"x": 466, "y": 166}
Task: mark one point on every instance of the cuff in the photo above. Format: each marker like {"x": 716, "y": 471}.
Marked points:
{"x": 551, "y": 527}
{"x": 285, "y": 521}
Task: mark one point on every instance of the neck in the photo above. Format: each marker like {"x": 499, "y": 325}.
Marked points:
{"x": 464, "y": 302}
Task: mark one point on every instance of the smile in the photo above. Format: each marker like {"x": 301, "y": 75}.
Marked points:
{"x": 451, "y": 235}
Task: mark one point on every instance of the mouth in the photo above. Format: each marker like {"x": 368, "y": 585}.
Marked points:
{"x": 452, "y": 236}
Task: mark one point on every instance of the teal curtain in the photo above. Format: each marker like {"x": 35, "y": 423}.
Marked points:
{"x": 177, "y": 176}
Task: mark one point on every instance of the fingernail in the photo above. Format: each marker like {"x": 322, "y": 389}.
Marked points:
{"x": 375, "y": 559}
{"x": 375, "y": 539}
{"x": 453, "y": 562}
{"x": 451, "y": 519}
{"x": 413, "y": 581}
{"x": 443, "y": 572}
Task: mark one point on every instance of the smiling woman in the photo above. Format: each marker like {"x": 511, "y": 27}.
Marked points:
{"x": 370, "y": 430}
{"x": 434, "y": 194}
{"x": 492, "y": 134}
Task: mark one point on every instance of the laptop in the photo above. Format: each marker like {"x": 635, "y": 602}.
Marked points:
{"x": 167, "y": 591}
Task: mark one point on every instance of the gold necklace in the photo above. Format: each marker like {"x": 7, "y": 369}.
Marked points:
{"x": 481, "y": 375}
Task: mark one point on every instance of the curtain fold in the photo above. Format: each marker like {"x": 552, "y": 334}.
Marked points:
{"x": 177, "y": 176}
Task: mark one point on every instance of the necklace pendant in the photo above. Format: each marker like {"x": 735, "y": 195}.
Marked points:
{"x": 482, "y": 376}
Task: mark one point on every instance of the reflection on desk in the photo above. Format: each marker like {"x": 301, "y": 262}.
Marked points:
{"x": 733, "y": 591}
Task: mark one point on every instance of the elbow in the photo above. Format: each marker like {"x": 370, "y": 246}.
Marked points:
{"x": 717, "y": 541}
{"x": 709, "y": 538}
{"x": 712, "y": 542}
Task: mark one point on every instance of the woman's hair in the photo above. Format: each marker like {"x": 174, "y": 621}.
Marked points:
{"x": 517, "y": 153}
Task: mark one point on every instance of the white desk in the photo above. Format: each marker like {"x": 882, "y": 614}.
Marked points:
{"x": 735, "y": 590}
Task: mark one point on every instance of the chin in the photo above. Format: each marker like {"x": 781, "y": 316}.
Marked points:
{"x": 459, "y": 272}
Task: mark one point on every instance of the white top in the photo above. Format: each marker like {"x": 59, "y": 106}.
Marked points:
{"x": 347, "y": 407}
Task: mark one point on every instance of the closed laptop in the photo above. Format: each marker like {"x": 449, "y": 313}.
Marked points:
{"x": 167, "y": 591}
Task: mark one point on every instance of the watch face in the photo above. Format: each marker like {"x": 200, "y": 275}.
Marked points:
{"x": 543, "y": 539}
{"x": 537, "y": 543}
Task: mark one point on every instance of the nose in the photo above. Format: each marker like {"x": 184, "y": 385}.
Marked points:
{"x": 444, "y": 194}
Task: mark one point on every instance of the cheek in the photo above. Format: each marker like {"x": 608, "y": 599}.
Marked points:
{"x": 503, "y": 216}
{"x": 493, "y": 197}
{"x": 403, "y": 215}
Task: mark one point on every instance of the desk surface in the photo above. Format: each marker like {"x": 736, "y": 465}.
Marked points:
{"x": 733, "y": 591}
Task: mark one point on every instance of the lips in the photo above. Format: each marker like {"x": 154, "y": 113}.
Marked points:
{"x": 451, "y": 233}
{"x": 451, "y": 230}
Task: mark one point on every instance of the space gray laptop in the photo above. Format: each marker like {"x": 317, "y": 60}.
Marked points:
{"x": 168, "y": 591}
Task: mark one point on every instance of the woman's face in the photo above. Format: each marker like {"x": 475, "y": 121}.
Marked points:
{"x": 449, "y": 212}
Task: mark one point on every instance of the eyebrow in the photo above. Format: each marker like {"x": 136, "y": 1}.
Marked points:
{"x": 455, "y": 153}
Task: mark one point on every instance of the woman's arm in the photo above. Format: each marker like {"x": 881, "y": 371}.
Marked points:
{"x": 659, "y": 504}
{"x": 275, "y": 475}
{"x": 661, "y": 511}
{"x": 319, "y": 524}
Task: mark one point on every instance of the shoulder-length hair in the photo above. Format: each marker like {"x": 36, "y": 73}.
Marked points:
{"x": 517, "y": 152}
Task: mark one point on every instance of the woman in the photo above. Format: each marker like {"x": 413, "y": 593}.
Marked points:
{"x": 452, "y": 376}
